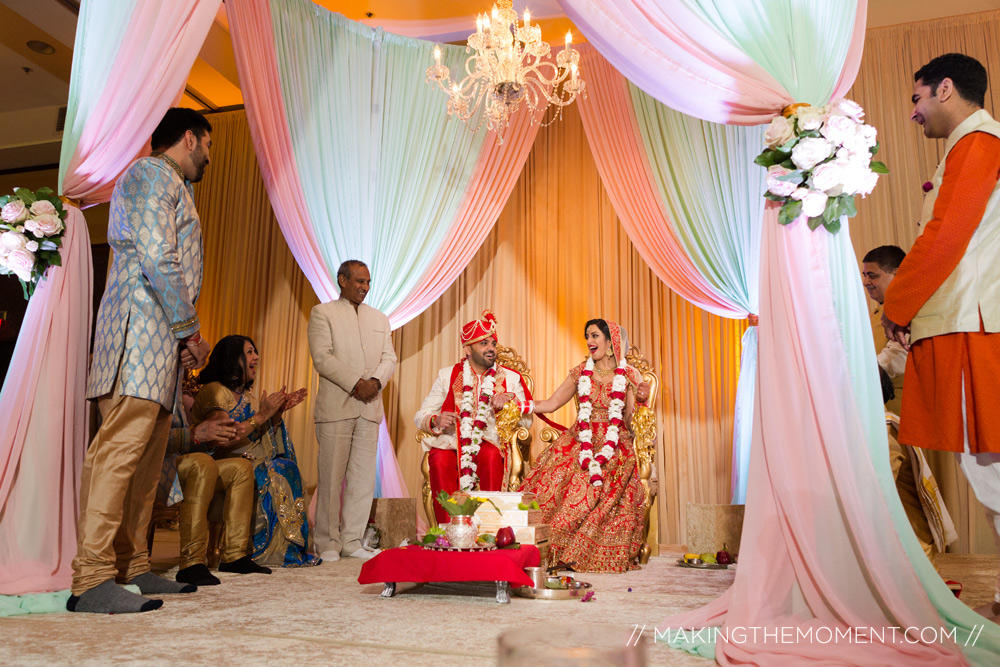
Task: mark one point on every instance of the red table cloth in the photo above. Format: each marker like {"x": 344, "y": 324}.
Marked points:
{"x": 419, "y": 565}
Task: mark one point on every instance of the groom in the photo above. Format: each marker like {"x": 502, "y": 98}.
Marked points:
{"x": 458, "y": 413}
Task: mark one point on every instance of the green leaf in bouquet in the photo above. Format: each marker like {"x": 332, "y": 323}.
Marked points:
{"x": 847, "y": 206}
{"x": 773, "y": 197}
{"x": 25, "y": 195}
{"x": 832, "y": 210}
{"x": 874, "y": 149}
{"x": 833, "y": 226}
{"x": 790, "y": 210}
{"x": 878, "y": 167}
{"x": 44, "y": 193}
{"x": 55, "y": 259}
{"x": 795, "y": 176}
{"x": 788, "y": 164}
{"x": 766, "y": 159}
{"x": 815, "y": 222}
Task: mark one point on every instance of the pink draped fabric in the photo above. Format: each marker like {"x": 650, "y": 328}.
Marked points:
{"x": 818, "y": 548}
{"x": 609, "y": 121}
{"x": 43, "y": 414}
{"x": 43, "y": 424}
{"x": 497, "y": 171}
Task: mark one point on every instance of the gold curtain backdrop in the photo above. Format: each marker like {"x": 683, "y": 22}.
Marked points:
{"x": 892, "y": 213}
{"x": 557, "y": 257}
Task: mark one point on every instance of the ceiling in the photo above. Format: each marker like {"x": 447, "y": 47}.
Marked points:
{"x": 29, "y": 121}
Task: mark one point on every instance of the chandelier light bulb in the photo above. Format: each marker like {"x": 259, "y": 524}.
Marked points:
{"x": 569, "y": 38}
{"x": 496, "y": 13}
{"x": 486, "y": 23}
{"x": 479, "y": 24}
{"x": 527, "y": 17}
{"x": 437, "y": 55}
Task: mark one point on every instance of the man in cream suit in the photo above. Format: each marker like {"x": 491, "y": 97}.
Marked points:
{"x": 351, "y": 347}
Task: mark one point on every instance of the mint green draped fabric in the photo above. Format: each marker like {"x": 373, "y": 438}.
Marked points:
{"x": 803, "y": 45}
{"x": 383, "y": 168}
{"x": 714, "y": 197}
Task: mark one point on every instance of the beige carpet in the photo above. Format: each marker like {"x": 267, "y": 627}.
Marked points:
{"x": 322, "y": 615}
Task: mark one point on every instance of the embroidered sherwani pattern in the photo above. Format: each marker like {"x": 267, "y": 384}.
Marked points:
{"x": 153, "y": 284}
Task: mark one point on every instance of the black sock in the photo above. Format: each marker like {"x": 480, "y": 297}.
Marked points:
{"x": 244, "y": 565}
{"x": 199, "y": 575}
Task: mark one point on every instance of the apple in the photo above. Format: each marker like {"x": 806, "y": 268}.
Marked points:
{"x": 723, "y": 557}
{"x": 505, "y": 537}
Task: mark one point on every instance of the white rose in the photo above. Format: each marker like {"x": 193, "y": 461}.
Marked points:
{"x": 839, "y": 129}
{"x": 800, "y": 194}
{"x": 814, "y": 203}
{"x": 13, "y": 240}
{"x": 828, "y": 177}
{"x": 779, "y": 132}
{"x": 869, "y": 134}
{"x": 32, "y": 246}
{"x": 853, "y": 174}
{"x": 810, "y": 118}
{"x": 43, "y": 207}
{"x": 811, "y": 151}
{"x": 48, "y": 224}
{"x": 846, "y": 107}
{"x": 13, "y": 211}
{"x": 21, "y": 262}
{"x": 868, "y": 181}
{"x": 777, "y": 186}
{"x": 31, "y": 225}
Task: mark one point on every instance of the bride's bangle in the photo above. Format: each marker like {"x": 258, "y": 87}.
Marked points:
{"x": 526, "y": 407}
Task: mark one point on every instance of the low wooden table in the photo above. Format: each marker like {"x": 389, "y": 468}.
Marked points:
{"x": 415, "y": 564}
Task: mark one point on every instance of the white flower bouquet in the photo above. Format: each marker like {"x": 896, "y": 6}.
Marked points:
{"x": 817, "y": 160}
{"x": 32, "y": 225}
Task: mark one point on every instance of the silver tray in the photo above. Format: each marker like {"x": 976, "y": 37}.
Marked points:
{"x": 702, "y": 566}
{"x": 577, "y": 590}
{"x": 478, "y": 547}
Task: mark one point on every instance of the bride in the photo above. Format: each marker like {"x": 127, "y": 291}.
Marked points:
{"x": 587, "y": 481}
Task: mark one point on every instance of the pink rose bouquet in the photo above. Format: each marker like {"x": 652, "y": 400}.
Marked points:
{"x": 32, "y": 226}
{"x": 817, "y": 160}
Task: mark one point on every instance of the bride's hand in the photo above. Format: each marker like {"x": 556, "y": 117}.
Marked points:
{"x": 642, "y": 392}
{"x": 501, "y": 400}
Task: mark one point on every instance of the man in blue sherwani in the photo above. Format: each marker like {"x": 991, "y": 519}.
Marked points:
{"x": 147, "y": 329}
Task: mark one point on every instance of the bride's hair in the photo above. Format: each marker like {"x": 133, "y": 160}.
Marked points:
{"x": 600, "y": 324}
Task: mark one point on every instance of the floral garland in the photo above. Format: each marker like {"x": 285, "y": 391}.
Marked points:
{"x": 31, "y": 231}
{"x": 817, "y": 160}
{"x": 585, "y": 432}
{"x": 471, "y": 428}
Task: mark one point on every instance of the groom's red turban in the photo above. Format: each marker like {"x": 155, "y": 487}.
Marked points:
{"x": 480, "y": 329}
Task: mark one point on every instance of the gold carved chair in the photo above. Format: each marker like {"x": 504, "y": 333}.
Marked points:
{"x": 518, "y": 443}
{"x": 644, "y": 445}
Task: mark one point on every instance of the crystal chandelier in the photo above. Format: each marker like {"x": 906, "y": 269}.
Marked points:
{"x": 509, "y": 65}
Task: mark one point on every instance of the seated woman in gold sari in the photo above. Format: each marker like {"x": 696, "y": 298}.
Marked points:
{"x": 280, "y": 529}
{"x": 587, "y": 481}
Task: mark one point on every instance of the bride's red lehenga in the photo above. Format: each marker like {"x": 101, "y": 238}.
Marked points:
{"x": 598, "y": 528}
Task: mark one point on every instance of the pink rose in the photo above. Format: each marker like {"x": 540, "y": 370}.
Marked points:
{"x": 828, "y": 177}
{"x": 846, "y": 107}
{"x": 13, "y": 211}
{"x": 839, "y": 129}
{"x": 21, "y": 262}
{"x": 777, "y": 186}
{"x": 779, "y": 132}
{"x": 868, "y": 181}
{"x": 31, "y": 246}
{"x": 47, "y": 224}
{"x": 814, "y": 203}
{"x": 43, "y": 207}
{"x": 811, "y": 151}
{"x": 12, "y": 240}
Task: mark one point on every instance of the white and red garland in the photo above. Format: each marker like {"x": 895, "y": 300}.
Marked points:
{"x": 585, "y": 432}
{"x": 471, "y": 427}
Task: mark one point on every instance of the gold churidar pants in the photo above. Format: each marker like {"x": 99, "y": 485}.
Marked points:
{"x": 201, "y": 476}
{"x": 120, "y": 473}
{"x": 906, "y": 486}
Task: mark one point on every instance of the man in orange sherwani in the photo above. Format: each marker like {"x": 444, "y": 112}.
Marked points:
{"x": 946, "y": 293}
